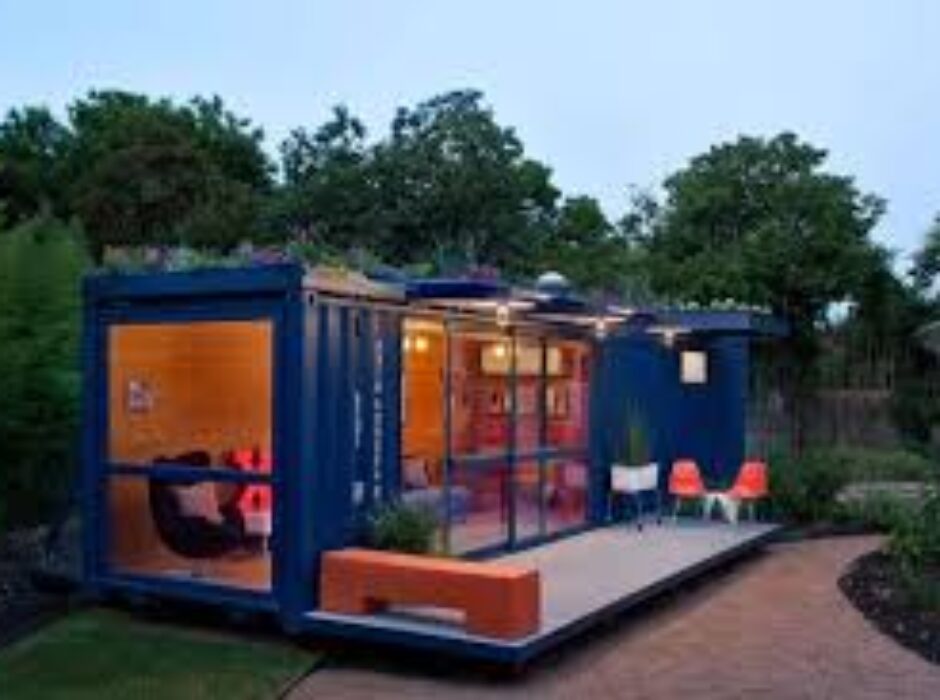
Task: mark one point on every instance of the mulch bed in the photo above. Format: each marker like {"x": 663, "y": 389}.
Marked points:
{"x": 23, "y": 605}
{"x": 874, "y": 586}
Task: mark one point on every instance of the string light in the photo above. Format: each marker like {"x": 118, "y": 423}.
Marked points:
{"x": 502, "y": 315}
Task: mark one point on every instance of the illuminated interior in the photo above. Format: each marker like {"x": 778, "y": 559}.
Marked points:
{"x": 504, "y": 411}
{"x": 196, "y": 395}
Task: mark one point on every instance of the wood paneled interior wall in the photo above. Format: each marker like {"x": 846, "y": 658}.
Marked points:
{"x": 423, "y": 399}
{"x": 191, "y": 386}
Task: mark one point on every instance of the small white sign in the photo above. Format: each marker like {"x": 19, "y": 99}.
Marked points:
{"x": 694, "y": 367}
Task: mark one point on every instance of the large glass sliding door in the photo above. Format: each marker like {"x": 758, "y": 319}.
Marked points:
{"x": 479, "y": 430}
{"x": 504, "y": 461}
{"x": 189, "y": 479}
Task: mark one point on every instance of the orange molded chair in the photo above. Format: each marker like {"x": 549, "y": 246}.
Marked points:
{"x": 751, "y": 484}
{"x": 685, "y": 483}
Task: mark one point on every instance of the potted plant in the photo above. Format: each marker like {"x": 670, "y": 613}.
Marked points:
{"x": 403, "y": 528}
{"x": 635, "y": 471}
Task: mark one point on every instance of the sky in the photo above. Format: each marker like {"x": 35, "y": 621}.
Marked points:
{"x": 611, "y": 94}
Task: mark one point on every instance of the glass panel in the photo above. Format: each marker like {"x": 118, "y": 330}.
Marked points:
{"x": 565, "y": 494}
{"x": 529, "y": 500}
{"x": 189, "y": 388}
{"x": 567, "y": 394}
{"x": 193, "y": 530}
{"x": 422, "y": 436}
{"x": 481, "y": 403}
{"x": 479, "y": 511}
{"x": 529, "y": 385}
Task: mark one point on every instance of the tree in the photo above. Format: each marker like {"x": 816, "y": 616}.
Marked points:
{"x": 458, "y": 186}
{"x": 589, "y": 250}
{"x": 926, "y": 265}
{"x": 151, "y": 172}
{"x": 32, "y": 144}
{"x": 41, "y": 266}
{"x": 329, "y": 195}
{"x": 448, "y": 185}
{"x": 759, "y": 221}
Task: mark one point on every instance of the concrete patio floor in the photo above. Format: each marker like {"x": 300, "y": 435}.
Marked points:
{"x": 775, "y": 626}
{"x": 586, "y": 580}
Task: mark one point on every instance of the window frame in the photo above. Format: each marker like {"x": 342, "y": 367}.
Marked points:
{"x": 183, "y": 312}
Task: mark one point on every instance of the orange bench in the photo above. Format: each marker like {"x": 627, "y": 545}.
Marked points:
{"x": 497, "y": 600}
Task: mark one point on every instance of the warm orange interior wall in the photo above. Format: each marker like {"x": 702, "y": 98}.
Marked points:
{"x": 134, "y": 537}
{"x": 209, "y": 385}
{"x": 423, "y": 422}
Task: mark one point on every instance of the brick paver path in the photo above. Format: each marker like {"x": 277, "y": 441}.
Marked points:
{"x": 774, "y": 627}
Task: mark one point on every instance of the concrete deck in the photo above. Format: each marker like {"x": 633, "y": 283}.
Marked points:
{"x": 585, "y": 579}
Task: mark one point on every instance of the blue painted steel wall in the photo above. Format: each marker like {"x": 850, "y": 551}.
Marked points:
{"x": 353, "y": 442}
{"x": 703, "y": 422}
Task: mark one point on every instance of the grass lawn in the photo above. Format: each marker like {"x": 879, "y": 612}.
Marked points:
{"x": 106, "y": 654}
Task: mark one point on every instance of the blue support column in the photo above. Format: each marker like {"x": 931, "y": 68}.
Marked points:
{"x": 366, "y": 389}
{"x": 292, "y": 465}
{"x": 600, "y": 395}
{"x": 391, "y": 332}
{"x": 93, "y": 360}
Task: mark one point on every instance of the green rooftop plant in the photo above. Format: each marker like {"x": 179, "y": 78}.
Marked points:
{"x": 636, "y": 450}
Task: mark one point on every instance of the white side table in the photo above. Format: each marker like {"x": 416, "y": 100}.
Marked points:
{"x": 728, "y": 505}
{"x": 258, "y": 523}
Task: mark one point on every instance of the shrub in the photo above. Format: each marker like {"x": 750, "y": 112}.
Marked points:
{"x": 883, "y": 465}
{"x": 41, "y": 265}
{"x": 915, "y": 540}
{"x": 403, "y": 528}
{"x": 804, "y": 488}
{"x": 877, "y": 511}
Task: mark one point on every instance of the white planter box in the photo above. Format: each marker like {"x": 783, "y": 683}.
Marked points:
{"x": 627, "y": 479}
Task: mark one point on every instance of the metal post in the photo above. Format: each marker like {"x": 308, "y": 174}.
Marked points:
{"x": 448, "y": 424}
{"x": 513, "y": 425}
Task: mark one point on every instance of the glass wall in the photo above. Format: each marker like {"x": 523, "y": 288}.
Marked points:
{"x": 480, "y": 438}
{"x": 190, "y": 451}
{"x": 495, "y": 432}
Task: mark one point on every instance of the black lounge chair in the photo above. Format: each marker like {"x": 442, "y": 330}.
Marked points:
{"x": 195, "y": 537}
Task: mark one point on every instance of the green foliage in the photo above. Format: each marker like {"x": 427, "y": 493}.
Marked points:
{"x": 462, "y": 186}
{"x": 881, "y": 465}
{"x": 403, "y": 528}
{"x": 41, "y": 264}
{"x": 926, "y": 265}
{"x": 590, "y": 251}
{"x": 330, "y": 195}
{"x": 878, "y": 511}
{"x": 448, "y": 185}
{"x": 33, "y": 145}
{"x": 803, "y": 489}
{"x": 636, "y": 447}
{"x": 915, "y": 540}
{"x": 148, "y": 172}
{"x": 757, "y": 220}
